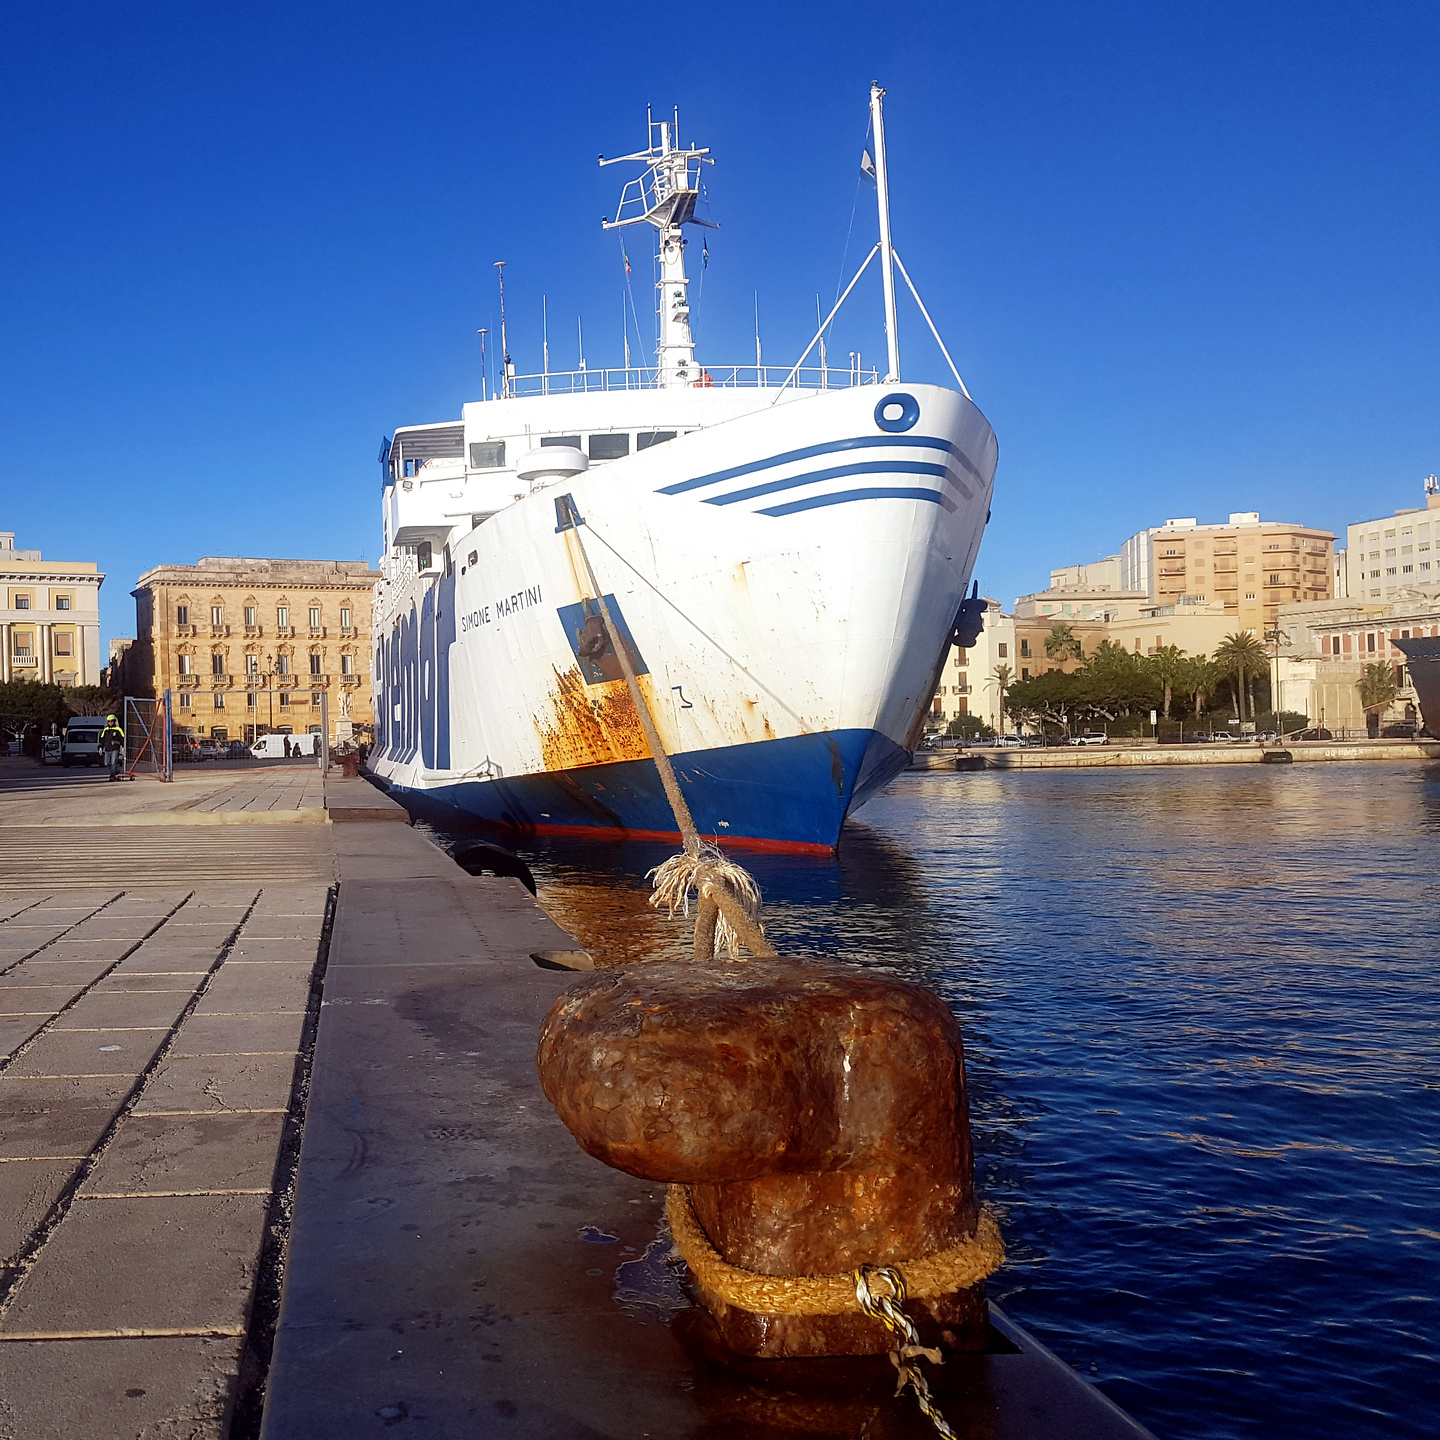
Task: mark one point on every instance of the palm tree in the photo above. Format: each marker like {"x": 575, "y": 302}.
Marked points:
{"x": 1168, "y": 665}
{"x": 1001, "y": 681}
{"x": 1378, "y": 688}
{"x": 1241, "y": 654}
{"x": 1061, "y": 644}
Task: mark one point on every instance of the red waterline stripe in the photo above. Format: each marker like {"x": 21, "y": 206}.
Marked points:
{"x": 728, "y": 842}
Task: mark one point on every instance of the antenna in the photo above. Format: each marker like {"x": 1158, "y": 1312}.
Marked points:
{"x": 509, "y": 371}
{"x": 887, "y": 254}
{"x": 758, "y": 357}
{"x": 1432, "y": 484}
{"x": 484, "y": 390}
{"x": 580, "y": 335}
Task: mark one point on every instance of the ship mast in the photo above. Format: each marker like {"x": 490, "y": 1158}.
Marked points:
{"x": 665, "y": 197}
{"x": 887, "y": 251}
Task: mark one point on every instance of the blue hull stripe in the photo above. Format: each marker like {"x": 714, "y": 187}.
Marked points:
{"x": 795, "y": 791}
{"x": 844, "y": 497}
{"x": 859, "y": 442}
{"x": 835, "y": 472}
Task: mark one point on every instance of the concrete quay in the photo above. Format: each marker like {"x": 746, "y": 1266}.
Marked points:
{"x": 274, "y": 1161}
{"x": 1101, "y": 757}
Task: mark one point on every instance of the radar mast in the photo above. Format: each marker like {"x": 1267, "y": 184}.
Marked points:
{"x": 664, "y": 196}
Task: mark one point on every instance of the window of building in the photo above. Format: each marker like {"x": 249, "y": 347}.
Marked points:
{"x": 1249, "y": 595}
{"x": 184, "y": 699}
{"x": 1389, "y": 569}
{"x": 217, "y": 615}
{"x": 282, "y": 664}
{"x": 182, "y": 614}
{"x": 347, "y": 664}
{"x": 250, "y": 698}
{"x": 184, "y": 664}
{"x": 1025, "y": 648}
{"x": 284, "y": 699}
{"x": 219, "y": 732}
{"x": 344, "y": 617}
{"x": 252, "y": 664}
{"x": 219, "y": 699}
{"x": 282, "y": 615}
{"x": 62, "y": 602}
{"x": 1274, "y": 580}
{"x": 646, "y": 438}
{"x": 314, "y": 617}
{"x": 64, "y": 645}
{"x": 1370, "y": 644}
{"x": 487, "y": 454}
{"x": 217, "y": 663}
{"x": 1334, "y": 644}
{"x": 609, "y": 447}
{"x": 250, "y": 616}
{"x": 314, "y": 662}
{"x": 315, "y": 698}
{"x": 1002, "y": 649}
{"x": 1407, "y": 569}
{"x": 1024, "y": 674}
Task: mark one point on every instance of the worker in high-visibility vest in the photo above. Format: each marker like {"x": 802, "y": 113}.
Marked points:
{"x": 112, "y": 746}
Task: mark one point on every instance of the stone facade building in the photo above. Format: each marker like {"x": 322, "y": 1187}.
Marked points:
{"x": 49, "y": 617}
{"x": 221, "y": 633}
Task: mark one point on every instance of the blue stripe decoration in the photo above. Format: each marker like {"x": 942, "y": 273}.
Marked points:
{"x": 865, "y": 467}
{"x": 844, "y": 497}
{"x": 859, "y": 442}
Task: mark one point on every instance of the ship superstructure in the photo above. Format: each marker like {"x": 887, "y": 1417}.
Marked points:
{"x": 786, "y": 551}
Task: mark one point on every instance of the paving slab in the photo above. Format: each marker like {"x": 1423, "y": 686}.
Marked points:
{"x": 13, "y": 904}
{"x": 102, "y": 1009}
{"x": 244, "y": 1034}
{"x": 76, "y": 973}
{"x": 56, "y": 1117}
{"x": 189, "y": 1152}
{"x": 147, "y": 982}
{"x": 258, "y": 988}
{"x": 36, "y": 999}
{"x": 205, "y": 914}
{"x": 15, "y": 1030}
{"x": 217, "y": 1083}
{"x": 90, "y": 1052}
{"x": 28, "y": 1188}
{"x": 170, "y": 960}
{"x": 104, "y": 926}
{"x": 163, "y": 1263}
{"x": 72, "y": 949}
{"x": 158, "y": 1389}
{"x": 201, "y": 935}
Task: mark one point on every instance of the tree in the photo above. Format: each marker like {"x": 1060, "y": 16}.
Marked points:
{"x": 30, "y": 705}
{"x": 1200, "y": 676}
{"x": 1168, "y": 666}
{"x": 1061, "y": 644}
{"x": 969, "y": 727}
{"x": 1001, "y": 680}
{"x": 1052, "y": 696}
{"x": 1378, "y": 687}
{"x": 91, "y": 700}
{"x": 1241, "y": 654}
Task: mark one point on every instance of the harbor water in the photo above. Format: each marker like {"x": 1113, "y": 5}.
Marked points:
{"x": 1202, "y": 1027}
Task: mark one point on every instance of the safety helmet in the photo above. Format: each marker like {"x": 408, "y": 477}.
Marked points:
{"x": 110, "y": 720}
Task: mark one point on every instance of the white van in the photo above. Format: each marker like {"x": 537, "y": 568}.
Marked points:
{"x": 274, "y": 747}
{"x": 82, "y": 740}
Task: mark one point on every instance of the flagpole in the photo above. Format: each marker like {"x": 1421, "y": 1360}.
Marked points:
{"x": 887, "y": 255}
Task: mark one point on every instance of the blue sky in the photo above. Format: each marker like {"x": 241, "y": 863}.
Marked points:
{"x": 1183, "y": 253}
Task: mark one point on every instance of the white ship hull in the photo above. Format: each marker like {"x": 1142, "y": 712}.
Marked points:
{"x": 788, "y": 577}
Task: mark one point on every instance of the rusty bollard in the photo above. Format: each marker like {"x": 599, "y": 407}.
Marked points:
{"x": 816, "y": 1113}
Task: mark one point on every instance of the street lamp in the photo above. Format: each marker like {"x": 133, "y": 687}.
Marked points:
{"x": 1276, "y": 637}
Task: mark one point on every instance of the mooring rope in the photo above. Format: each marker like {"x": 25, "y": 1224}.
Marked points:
{"x": 942, "y": 1273}
{"x": 728, "y": 899}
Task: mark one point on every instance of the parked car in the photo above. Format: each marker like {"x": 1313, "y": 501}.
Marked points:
{"x": 82, "y": 740}
{"x": 1315, "y": 732}
{"x": 183, "y": 749}
{"x": 236, "y": 750}
{"x": 1401, "y": 730}
{"x": 1090, "y": 737}
{"x": 51, "y": 749}
{"x": 208, "y": 750}
{"x": 1008, "y": 742}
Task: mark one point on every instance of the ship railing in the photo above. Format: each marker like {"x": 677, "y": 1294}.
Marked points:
{"x": 718, "y": 377}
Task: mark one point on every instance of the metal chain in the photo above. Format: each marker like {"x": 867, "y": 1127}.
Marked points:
{"x": 886, "y": 1309}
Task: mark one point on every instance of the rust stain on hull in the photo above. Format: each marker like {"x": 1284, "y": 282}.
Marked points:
{"x": 589, "y": 724}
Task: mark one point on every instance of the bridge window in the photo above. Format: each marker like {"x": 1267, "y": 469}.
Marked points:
{"x": 487, "y": 454}
{"x": 609, "y": 447}
{"x": 573, "y": 441}
{"x": 646, "y": 438}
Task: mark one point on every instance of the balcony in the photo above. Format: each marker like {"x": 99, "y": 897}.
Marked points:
{"x": 254, "y": 632}
{"x": 219, "y": 632}
{"x": 317, "y": 632}
{"x": 187, "y": 629}
{"x": 24, "y": 660}
{"x": 221, "y": 682}
{"x": 187, "y": 682}
{"x": 316, "y": 682}
{"x": 348, "y": 632}
{"x": 285, "y": 631}
{"x": 350, "y": 681}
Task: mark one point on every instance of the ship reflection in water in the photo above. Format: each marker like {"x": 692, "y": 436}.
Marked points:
{"x": 1202, "y": 1023}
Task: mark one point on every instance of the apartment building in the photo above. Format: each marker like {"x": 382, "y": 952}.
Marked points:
{"x": 1250, "y": 566}
{"x": 49, "y": 617}
{"x": 1385, "y": 557}
{"x": 967, "y": 684}
{"x": 248, "y": 645}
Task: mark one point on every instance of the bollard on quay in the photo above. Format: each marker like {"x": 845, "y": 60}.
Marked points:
{"x": 810, "y": 1119}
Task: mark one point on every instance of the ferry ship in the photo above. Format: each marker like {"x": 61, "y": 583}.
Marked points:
{"x": 785, "y": 554}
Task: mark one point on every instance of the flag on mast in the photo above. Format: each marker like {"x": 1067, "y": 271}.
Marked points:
{"x": 867, "y": 167}
{"x": 626, "y": 255}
